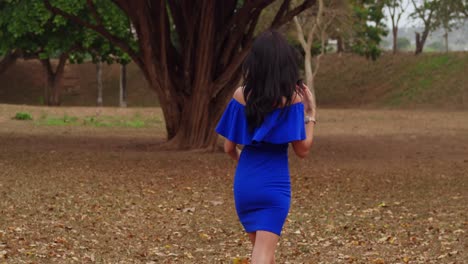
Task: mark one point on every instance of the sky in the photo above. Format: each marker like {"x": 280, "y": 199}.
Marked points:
{"x": 405, "y": 21}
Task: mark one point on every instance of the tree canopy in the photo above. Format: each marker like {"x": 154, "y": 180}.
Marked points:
{"x": 30, "y": 30}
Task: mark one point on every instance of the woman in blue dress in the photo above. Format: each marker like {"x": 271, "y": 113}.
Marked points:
{"x": 265, "y": 115}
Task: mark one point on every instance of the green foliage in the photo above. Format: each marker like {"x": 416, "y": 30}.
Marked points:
{"x": 29, "y": 26}
{"x": 369, "y": 27}
{"x": 137, "y": 121}
{"x": 58, "y": 121}
{"x": 403, "y": 44}
{"x": 418, "y": 83}
{"x": 22, "y": 116}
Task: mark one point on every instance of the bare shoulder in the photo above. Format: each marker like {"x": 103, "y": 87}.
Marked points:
{"x": 239, "y": 95}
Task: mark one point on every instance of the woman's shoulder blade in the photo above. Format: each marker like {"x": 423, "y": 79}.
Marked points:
{"x": 239, "y": 96}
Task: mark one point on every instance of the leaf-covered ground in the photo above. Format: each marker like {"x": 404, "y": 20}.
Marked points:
{"x": 378, "y": 187}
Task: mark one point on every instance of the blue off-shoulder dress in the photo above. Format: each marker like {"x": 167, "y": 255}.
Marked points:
{"x": 262, "y": 186}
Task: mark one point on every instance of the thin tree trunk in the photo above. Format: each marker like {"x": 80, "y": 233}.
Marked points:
{"x": 99, "y": 82}
{"x": 340, "y": 45}
{"x": 446, "y": 41}
{"x": 310, "y": 67}
{"x": 420, "y": 41}
{"x": 54, "y": 80}
{"x": 395, "y": 39}
{"x": 123, "y": 86}
{"x": 8, "y": 60}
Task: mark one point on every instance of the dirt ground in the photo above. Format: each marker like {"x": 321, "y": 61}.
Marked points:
{"x": 378, "y": 187}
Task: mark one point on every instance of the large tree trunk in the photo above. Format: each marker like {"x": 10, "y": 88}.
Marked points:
{"x": 420, "y": 41}
{"x": 123, "y": 86}
{"x": 195, "y": 77}
{"x": 8, "y": 60}
{"x": 197, "y": 129}
{"x": 192, "y": 87}
{"x": 54, "y": 80}
{"x": 395, "y": 39}
{"x": 99, "y": 82}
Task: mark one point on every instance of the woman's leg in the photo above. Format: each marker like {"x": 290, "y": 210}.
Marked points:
{"x": 252, "y": 238}
{"x": 264, "y": 249}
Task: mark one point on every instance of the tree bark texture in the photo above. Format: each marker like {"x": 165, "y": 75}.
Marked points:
{"x": 428, "y": 24}
{"x": 194, "y": 76}
{"x": 395, "y": 39}
{"x": 420, "y": 41}
{"x": 54, "y": 80}
{"x": 99, "y": 83}
{"x": 317, "y": 31}
{"x": 123, "y": 86}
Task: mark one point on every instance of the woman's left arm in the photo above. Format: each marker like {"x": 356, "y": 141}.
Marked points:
{"x": 231, "y": 149}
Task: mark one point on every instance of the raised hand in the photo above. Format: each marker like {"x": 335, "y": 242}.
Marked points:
{"x": 308, "y": 99}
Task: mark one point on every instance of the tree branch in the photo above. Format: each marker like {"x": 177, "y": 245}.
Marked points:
{"x": 242, "y": 16}
{"x": 300, "y": 33}
{"x": 99, "y": 29}
{"x": 222, "y": 80}
{"x": 283, "y": 8}
{"x": 122, "y": 5}
{"x": 277, "y": 22}
{"x": 94, "y": 12}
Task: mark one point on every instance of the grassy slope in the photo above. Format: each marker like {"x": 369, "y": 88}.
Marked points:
{"x": 402, "y": 81}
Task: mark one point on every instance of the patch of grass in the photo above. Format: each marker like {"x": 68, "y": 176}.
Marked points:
{"x": 422, "y": 79}
{"x": 137, "y": 121}
{"x": 58, "y": 121}
{"x": 22, "y": 116}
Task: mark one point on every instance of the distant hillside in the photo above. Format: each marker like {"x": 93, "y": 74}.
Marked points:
{"x": 431, "y": 80}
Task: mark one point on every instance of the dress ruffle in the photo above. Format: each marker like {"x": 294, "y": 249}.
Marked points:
{"x": 279, "y": 127}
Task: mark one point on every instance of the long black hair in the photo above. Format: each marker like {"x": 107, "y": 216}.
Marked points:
{"x": 270, "y": 72}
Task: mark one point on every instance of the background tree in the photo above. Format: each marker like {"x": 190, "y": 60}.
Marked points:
{"x": 312, "y": 30}
{"x": 403, "y": 44}
{"x": 368, "y": 28}
{"x": 189, "y": 51}
{"x": 437, "y": 13}
{"x": 395, "y": 8}
{"x": 32, "y": 31}
{"x": 450, "y": 14}
{"x": 424, "y": 10}
{"x": 447, "y": 22}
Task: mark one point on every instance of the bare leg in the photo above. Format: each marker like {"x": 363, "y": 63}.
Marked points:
{"x": 252, "y": 238}
{"x": 264, "y": 249}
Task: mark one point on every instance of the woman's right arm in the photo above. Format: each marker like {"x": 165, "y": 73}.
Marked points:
{"x": 302, "y": 147}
